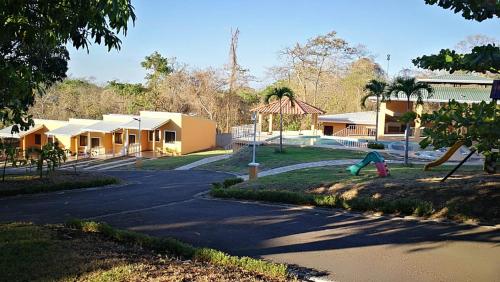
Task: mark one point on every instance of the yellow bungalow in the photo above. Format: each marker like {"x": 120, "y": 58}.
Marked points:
{"x": 115, "y": 134}
{"x": 35, "y": 137}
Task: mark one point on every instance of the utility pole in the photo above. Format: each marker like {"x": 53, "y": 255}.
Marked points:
{"x": 138, "y": 162}
{"x": 388, "y": 60}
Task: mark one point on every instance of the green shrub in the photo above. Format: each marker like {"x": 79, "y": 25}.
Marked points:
{"x": 49, "y": 187}
{"x": 231, "y": 181}
{"x": 376, "y": 146}
{"x": 177, "y": 248}
{"x": 405, "y": 206}
{"x": 227, "y": 183}
{"x": 217, "y": 185}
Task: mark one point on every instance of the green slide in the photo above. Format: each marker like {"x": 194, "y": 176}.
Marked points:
{"x": 370, "y": 157}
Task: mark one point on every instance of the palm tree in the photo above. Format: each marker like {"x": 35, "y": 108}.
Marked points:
{"x": 375, "y": 88}
{"x": 409, "y": 87}
{"x": 280, "y": 93}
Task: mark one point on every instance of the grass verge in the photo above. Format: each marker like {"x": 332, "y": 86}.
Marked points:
{"x": 31, "y": 184}
{"x": 399, "y": 206}
{"x": 468, "y": 196}
{"x": 58, "y": 253}
{"x": 176, "y": 248}
{"x": 167, "y": 163}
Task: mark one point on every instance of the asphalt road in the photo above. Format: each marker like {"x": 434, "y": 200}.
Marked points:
{"x": 349, "y": 247}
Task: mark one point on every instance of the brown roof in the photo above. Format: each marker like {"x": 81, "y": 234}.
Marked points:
{"x": 298, "y": 108}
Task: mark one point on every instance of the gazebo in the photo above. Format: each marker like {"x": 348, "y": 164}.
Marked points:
{"x": 298, "y": 108}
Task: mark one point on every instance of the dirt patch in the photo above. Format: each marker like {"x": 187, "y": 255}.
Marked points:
{"x": 466, "y": 195}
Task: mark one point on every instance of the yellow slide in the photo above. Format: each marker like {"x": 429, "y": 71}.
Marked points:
{"x": 445, "y": 157}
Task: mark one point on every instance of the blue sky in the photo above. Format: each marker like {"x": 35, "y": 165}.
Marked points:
{"x": 197, "y": 32}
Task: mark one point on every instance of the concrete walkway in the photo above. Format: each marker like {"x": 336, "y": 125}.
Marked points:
{"x": 204, "y": 161}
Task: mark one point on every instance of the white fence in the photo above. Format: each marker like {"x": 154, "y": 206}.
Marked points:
{"x": 356, "y": 130}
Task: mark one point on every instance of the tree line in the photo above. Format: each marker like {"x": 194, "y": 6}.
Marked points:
{"x": 325, "y": 71}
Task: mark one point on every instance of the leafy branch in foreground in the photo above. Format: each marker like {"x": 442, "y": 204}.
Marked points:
{"x": 481, "y": 59}
{"x": 475, "y": 125}
{"x": 34, "y": 36}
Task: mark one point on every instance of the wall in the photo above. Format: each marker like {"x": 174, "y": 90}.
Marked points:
{"x": 175, "y": 147}
{"x": 28, "y": 141}
{"x": 399, "y": 107}
{"x": 105, "y": 141}
{"x": 336, "y": 126}
{"x": 174, "y": 124}
{"x": 198, "y": 134}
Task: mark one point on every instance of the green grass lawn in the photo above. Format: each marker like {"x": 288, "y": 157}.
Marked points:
{"x": 166, "y": 163}
{"x": 268, "y": 158}
{"x": 91, "y": 251}
{"x": 303, "y": 179}
{"x": 15, "y": 184}
{"x": 470, "y": 194}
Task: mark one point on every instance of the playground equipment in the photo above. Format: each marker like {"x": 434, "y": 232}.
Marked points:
{"x": 375, "y": 157}
{"x": 445, "y": 157}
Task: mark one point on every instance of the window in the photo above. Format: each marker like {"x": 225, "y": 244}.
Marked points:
{"x": 169, "y": 136}
{"x": 38, "y": 139}
{"x": 131, "y": 138}
{"x": 157, "y": 135}
{"x": 118, "y": 138}
{"x": 83, "y": 140}
{"x": 95, "y": 142}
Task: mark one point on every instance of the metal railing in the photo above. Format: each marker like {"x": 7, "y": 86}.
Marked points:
{"x": 242, "y": 136}
{"x": 352, "y": 143}
{"x": 356, "y": 130}
{"x": 244, "y": 131}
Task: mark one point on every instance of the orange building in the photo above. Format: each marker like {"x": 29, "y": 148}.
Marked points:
{"x": 462, "y": 88}
{"x": 115, "y": 134}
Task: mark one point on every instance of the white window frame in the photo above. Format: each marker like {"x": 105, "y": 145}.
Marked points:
{"x": 165, "y": 139}
{"x": 90, "y": 142}
{"x": 128, "y": 138}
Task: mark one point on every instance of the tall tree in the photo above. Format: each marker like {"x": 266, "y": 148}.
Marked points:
{"x": 410, "y": 88}
{"x": 159, "y": 67}
{"x": 319, "y": 55}
{"x": 375, "y": 88}
{"x": 280, "y": 93}
{"x": 33, "y": 40}
{"x": 468, "y": 43}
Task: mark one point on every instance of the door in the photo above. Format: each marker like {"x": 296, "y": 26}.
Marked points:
{"x": 328, "y": 130}
{"x": 131, "y": 139}
{"x": 95, "y": 142}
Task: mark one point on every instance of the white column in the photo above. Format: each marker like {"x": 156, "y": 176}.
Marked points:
{"x": 154, "y": 142}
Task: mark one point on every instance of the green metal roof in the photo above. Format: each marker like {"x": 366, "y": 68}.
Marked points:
{"x": 467, "y": 79}
{"x": 470, "y": 77}
{"x": 466, "y": 94}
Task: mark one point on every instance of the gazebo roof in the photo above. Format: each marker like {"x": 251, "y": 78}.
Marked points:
{"x": 298, "y": 108}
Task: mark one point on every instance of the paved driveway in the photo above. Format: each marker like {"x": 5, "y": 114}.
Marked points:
{"x": 349, "y": 247}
